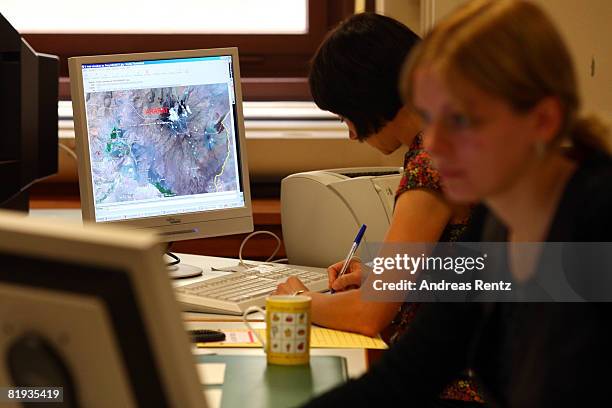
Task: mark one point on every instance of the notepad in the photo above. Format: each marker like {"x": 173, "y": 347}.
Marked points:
{"x": 328, "y": 338}
{"x": 319, "y": 338}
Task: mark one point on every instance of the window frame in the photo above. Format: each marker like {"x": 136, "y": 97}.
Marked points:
{"x": 261, "y": 55}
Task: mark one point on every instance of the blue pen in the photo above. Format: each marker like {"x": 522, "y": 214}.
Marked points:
{"x": 351, "y": 252}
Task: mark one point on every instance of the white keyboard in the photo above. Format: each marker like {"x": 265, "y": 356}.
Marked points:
{"x": 234, "y": 293}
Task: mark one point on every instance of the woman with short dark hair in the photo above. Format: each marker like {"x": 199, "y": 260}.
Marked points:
{"x": 355, "y": 71}
{"x": 355, "y": 75}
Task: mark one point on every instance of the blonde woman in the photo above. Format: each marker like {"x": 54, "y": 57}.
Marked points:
{"x": 495, "y": 86}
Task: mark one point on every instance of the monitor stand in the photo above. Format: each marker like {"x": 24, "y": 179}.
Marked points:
{"x": 178, "y": 270}
{"x": 181, "y": 270}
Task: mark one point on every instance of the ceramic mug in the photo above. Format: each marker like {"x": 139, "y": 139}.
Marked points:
{"x": 287, "y": 339}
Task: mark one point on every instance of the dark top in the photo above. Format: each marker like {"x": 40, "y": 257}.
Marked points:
{"x": 524, "y": 354}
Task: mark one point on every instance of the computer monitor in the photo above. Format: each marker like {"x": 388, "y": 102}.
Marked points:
{"x": 88, "y": 309}
{"x": 28, "y": 102}
{"x": 161, "y": 144}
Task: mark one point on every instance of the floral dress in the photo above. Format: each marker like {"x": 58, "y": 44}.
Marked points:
{"x": 419, "y": 173}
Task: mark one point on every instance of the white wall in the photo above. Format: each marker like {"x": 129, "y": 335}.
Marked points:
{"x": 587, "y": 28}
{"x": 585, "y": 25}
{"x": 406, "y": 11}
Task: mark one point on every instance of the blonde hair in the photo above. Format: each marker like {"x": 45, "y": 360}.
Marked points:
{"x": 510, "y": 49}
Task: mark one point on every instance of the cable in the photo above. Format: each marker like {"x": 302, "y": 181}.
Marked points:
{"x": 176, "y": 260}
{"x": 68, "y": 150}
{"x": 252, "y": 234}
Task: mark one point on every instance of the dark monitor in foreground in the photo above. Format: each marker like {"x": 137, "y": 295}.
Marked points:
{"x": 28, "y": 102}
{"x": 89, "y": 311}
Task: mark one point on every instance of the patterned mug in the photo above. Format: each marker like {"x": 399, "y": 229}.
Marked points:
{"x": 287, "y": 339}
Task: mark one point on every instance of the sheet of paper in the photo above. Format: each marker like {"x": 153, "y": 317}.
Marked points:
{"x": 211, "y": 373}
{"x": 234, "y": 338}
{"x": 328, "y": 338}
{"x": 319, "y": 338}
{"x": 213, "y": 398}
{"x": 240, "y": 337}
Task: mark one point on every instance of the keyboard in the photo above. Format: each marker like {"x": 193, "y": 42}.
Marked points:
{"x": 235, "y": 292}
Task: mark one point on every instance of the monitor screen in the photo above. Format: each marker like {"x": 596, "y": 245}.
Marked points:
{"x": 163, "y": 136}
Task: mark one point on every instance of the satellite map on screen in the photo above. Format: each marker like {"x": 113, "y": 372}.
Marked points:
{"x": 161, "y": 142}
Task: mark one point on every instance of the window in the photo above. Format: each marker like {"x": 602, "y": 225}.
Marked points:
{"x": 283, "y": 34}
{"x": 261, "y": 54}
{"x": 159, "y": 16}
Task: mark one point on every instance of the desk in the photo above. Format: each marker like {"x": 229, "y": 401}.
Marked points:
{"x": 356, "y": 358}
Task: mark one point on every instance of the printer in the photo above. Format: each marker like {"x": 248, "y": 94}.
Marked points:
{"x": 322, "y": 211}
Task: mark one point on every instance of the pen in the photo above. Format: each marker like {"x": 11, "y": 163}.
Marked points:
{"x": 351, "y": 252}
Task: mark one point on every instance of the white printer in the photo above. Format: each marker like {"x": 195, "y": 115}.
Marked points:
{"x": 322, "y": 211}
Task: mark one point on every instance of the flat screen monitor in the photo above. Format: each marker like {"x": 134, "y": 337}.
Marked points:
{"x": 81, "y": 313}
{"x": 28, "y": 102}
{"x": 161, "y": 144}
